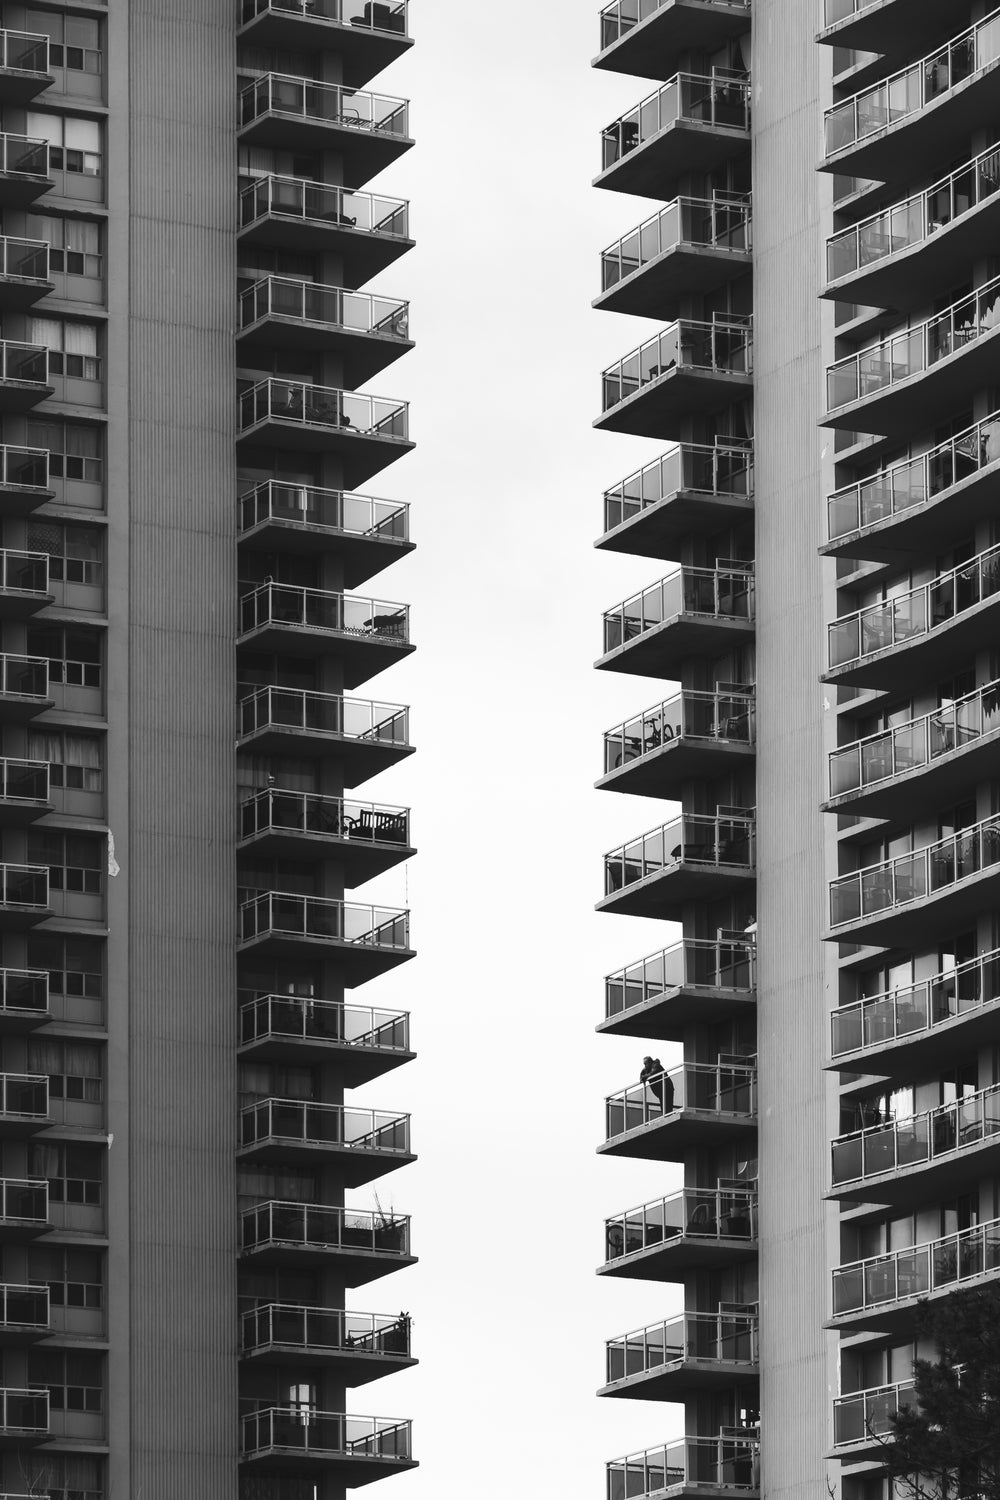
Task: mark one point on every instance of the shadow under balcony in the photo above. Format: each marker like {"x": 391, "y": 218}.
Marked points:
{"x": 24, "y": 1314}
{"x": 708, "y": 1467}
{"x": 696, "y": 1352}
{"x": 356, "y": 1245}
{"x": 366, "y": 333}
{"x": 691, "y": 1230}
{"x": 694, "y": 736}
{"x": 303, "y": 1441}
{"x": 363, "y": 1042}
{"x": 694, "y": 1106}
{"x": 24, "y": 583}
{"x": 880, "y": 25}
{"x": 24, "y": 1000}
{"x": 365, "y": 940}
{"x": 24, "y": 67}
{"x": 688, "y": 369}
{"x": 367, "y": 35}
{"x": 365, "y": 635}
{"x": 692, "y": 858}
{"x": 650, "y": 38}
{"x": 691, "y": 247}
{"x": 24, "y": 1104}
{"x": 365, "y": 737}
{"x": 695, "y": 981}
{"x": 368, "y": 131}
{"x": 367, "y": 433}
{"x": 690, "y": 126}
{"x": 24, "y": 896}
{"x": 367, "y": 231}
{"x": 24, "y": 273}
{"x": 886, "y": 1292}
{"x": 692, "y": 612}
{"x": 24, "y": 375}
{"x": 355, "y": 1347}
{"x": 24, "y": 1417}
{"x": 367, "y": 838}
{"x": 24, "y": 480}
{"x": 359, "y": 1144}
{"x": 24, "y": 1209}
{"x": 693, "y": 490}
{"x": 366, "y": 534}
{"x": 862, "y": 1420}
{"x": 24, "y": 170}
{"x": 24, "y": 791}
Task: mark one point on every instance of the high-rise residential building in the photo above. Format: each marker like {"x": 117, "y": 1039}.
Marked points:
{"x": 189, "y": 547}
{"x": 823, "y": 388}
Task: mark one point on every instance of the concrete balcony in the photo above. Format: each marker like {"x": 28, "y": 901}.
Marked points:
{"x": 24, "y": 1000}
{"x": 303, "y": 1441}
{"x": 693, "y": 736}
{"x": 24, "y": 376}
{"x": 365, "y": 635}
{"x": 691, "y": 1230}
{"x": 24, "y": 170}
{"x": 24, "y": 479}
{"x": 367, "y": 35}
{"x": 359, "y": 1144}
{"x": 692, "y": 125}
{"x": 862, "y": 1420}
{"x": 367, "y": 838}
{"x": 691, "y": 247}
{"x": 303, "y": 317}
{"x": 24, "y": 583}
{"x": 24, "y": 1104}
{"x": 365, "y": 1043}
{"x": 24, "y": 1314}
{"x": 355, "y": 1347}
{"x": 687, "y": 369}
{"x": 364, "y": 736}
{"x": 366, "y": 534}
{"x": 24, "y": 896}
{"x": 24, "y": 1209}
{"x": 357, "y": 1246}
{"x": 692, "y": 982}
{"x": 885, "y": 1292}
{"x": 24, "y": 273}
{"x": 885, "y": 26}
{"x": 24, "y": 67}
{"x": 367, "y": 433}
{"x": 691, "y": 491}
{"x": 368, "y": 231}
{"x": 692, "y": 858}
{"x": 650, "y": 38}
{"x": 696, "y": 1352}
{"x": 683, "y": 1109}
{"x": 368, "y": 131}
{"x": 692, "y": 612}
{"x": 713, "y": 1468}
{"x": 24, "y": 1417}
{"x": 24, "y": 791}
{"x": 365, "y": 940}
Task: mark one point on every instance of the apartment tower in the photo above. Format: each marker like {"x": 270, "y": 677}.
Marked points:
{"x": 186, "y": 221}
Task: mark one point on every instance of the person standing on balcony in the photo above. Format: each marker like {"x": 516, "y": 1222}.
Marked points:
{"x": 655, "y": 1078}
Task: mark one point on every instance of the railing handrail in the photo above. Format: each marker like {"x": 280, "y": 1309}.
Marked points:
{"x": 926, "y": 1247}
{"x": 682, "y": 1320}
{"x": 334, "y": 901}
{"x": 972, "y": 1101}
{"x": 325, "y": 799}
{"x": 393, "y": 708}
{"x": 263, "y": 84}
{"x": 308, "y": 385}
{"x": 340, "y": 1111}
{"x": 300, "y": 284}
{"x": 925, "y": 852}
{"x": 732, "y": 323}
{"x": 307, "y": 589}
{"x": 745, "y": 1071}
{"x": 954, "y": 707}
{"x": 713, "y": 944}
{"x": 728, "y": 79}
{"x": 701, "y": 1194}
{"x": 745, "y": 571}
{"x": 308, "y": 1001}
{"x": 944, "y": 976}
{"x": 699, "y": 820}
{"x": 333, "y": 188}
{"x": 378, "y": 1219}
{"x": 687, "y": 694}
{"x": 742, "y": 201}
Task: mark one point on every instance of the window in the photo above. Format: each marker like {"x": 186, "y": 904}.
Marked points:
{"x": 72, "y": 347}
{"x": 74, "y": 1173}
{"x": 75, "y": 552}
{"x": 74, "y": 1069}
{"x": 75, "y": 965}
{"x": 62, "y": 1476}
{"x": 75, "y": 449}
{"x": 74, "y": 1277}
{"x": 76, "y": 861}
{"x": 74, "y": 244}
{"x": 76, "y": 761}
{"x": 74, "y": 144}
{"x": 74, "y": 655}
{"x": 75, "y": 1381}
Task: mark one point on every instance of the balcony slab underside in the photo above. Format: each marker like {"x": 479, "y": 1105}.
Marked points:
{"x": 884, "y": 27}
{"x": 656, "y": 167}
{"x": 363, "y": 52}
{"x": 363, "y": 253}
{"x": 17, "y": 604}
{"x": 354, "y": 1168}
{"x": 21, "y": 85}
{"x": 657, "y": 289}
{"x": 940, "y": 783}
{"x": 22, "y": 499}
{"x": 18, "y": 189}
{"x": 663, "y": 650}
{"x": 362, "y": 454}
{"x": 666, "y": 1017}
{"x": 671, "y": 1136}
{"x": 663, "y": 771}
{"x": 22, "y": 395}
{"x": 666, "y": 892}
{"x": 923, "y": 1182}
{"x": 661, "y": 407}
{"x": 661, "y": 530}
{"x": 359, "y": 760}
{"x": 672, "y": 1259}
{"x": 923, "y": 658}
{"x": 902, "y": 1315}
{"x": 925, "y": 527}
{"x": 20, "y": 292}
{"x": 14, "y": 1127}
{"x": 913, "y": 1053}
{"x": 357, "y": 962}
{"x": 13, "y": 1231}
{"x": 356, "y": 1064}
{"x": 672, "y": 1382}
{"x": 657, "y": 47}
{"x": 361, "y": 656}
{"x": 351, "y": 1365}
{"x": 864, "y": 1450}
{"x": 350, "y": 1470}
{"x": 351, "y": 1266}
{"x": 361, "y": 859}
{"x": 946, "y": 910}
{"x": 361, "y": 554}
{"x": 14, "y": 1021}
{"x": 16, "y": 812}
{"x": 915, "y": 404}
{"x": 362, "y": 355}
{"x": 364, "y": 153}
{"x": 19, "y": 918}
{"x": 13, "y": 1335}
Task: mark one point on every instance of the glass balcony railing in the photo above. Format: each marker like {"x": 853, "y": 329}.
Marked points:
{"x": 24, "y": 1307}
{"x": 720, "y": 347}
{"x": 279, "y": 912}
{"x": 914, "y": 481}
{"x": 24, "y": 992}
{"x": 705, "y": 1337}
{"x": 322, "y": 406}
{"x": 725, "y": 718}
{"x": 24, "y": 1096}
{"x": 24, "y": 468}
{"x": 332, "y": 510}
{"x": 714, "y": 1215}
{"x": 27, "y": 363}
{"x": 298, "y": 1121}
{"x": 320, "y": 203}
{"x": 918, "y": 1271}
{"x": 322, "y": 103}
{"x": 314, "y": 1226}
{"x": 24, "y": 1202}
{"x": 916, "y": 1009}
{"x": 719, "y": 593}
{"x": 721, "y": 223}
{"x": 918, "y": 742}
{"x": 24, "y": 886}
{"x": 323, "y": 713}
{"x": 907, "y": 616}
{"x": 725, "y": 1462}
{"x": 24, "y": 780}
{"x": 24, "y": 572}
{"x": 712, "y": 1088}
{"x": 915, "y": 350}
{"x": 691, "y": 964}
{"x": 24, "y": 676}
{"x": 911, "y": 877}
{"x": 691, "y": 839}
{"x": 910, "y": 90}
{"x": 24, "y": 52}
{"x": 720, "y": 100}
{"x": 915, "y": 219}
{"x": 294, "y": 608}
{"x": 277, "y": 811}
{"x": 299, "y": 1018}
{"x": 622, "y": 15}
{"x": 312, "y": 302}
{"x": 324, "y": 1329}
{"x": 26, "y": 260}
{"x": 710, "y": 471}
{"x": 917, "y": 1139}
{"x": 868, "y": 1414}
{"x": 304, "y": 1430}
{"x": 24, "y": 1411}
{"x": 23, "y": 156}
{"x": 372, "y": 15}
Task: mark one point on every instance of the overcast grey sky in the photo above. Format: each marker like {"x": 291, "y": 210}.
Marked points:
{"x": 508, "y": 1197}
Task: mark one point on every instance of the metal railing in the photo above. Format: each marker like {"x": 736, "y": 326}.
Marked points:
{"x": 24, "y": 1096}
{"x": 916, "y": 613}
{"x": 303, "y": 1429}
{"x": 322, "y": 406}
{"x": 915, "y": 1272}
{"x": 24, "y": 780}
{"x": 25, "y": 886}
{"x": 905, "y": 747}
{"x": 332, "y": 510}
{"x": 723, "y": 1214}
{"x": 726, "y": 1462}
{"x": 311, "y": 812}
{"x": 26, "y": 468}
{"x": 916, "y": 1008}
{"x": 911, "y": 877}
{"x": 622, "y": 15}
{"x": 324, "y": 1328}
{"x": 24, "y": 52}
{"x": 373, "y": 15}
{"x": 24, "y": 676}
{"x": 28, "y": 363}
{"x": 692, "y": 838}
{"x": 915, "y": 1139}
{"x": 300, "y": 1018}
{"x": 711, "y": 1337}
{"x": 24, "y": 572}
{"x": 323, "y": 713}
{"x": 714, "y": 1088}
{"x": 24, "y": 1410}
{"x": 323, "y": 103}
{"x": 915, "y": 350}
{"x": 839, "y": 10}
{"x": 689, "y": 964}
{"x": 323, "y": 1125}
{"x": 280, "y": 912}
{"x": 720, "y": 717}
{"x": 321, "y": 203}
{"x": 720, "y": 593}
{"x": 24, "y": 1306}
{"x": 723, "y": 99}
{"x": 718, "y": 470}
{"x": 28, "y": 260}
{"x": 24, "y": 1201}
{"x": 25, "y": 991}
{"x": 23, "y": 156}
{"x": 294, "y": 608}
{"x": 866, "y": 1414}
{"x": 724, "y": 346}
{"x": 314, "y": 1226}
{"x": 721, "y": 223}
{"x": 313, "y": 302}
{"x": 873, "y": 110}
